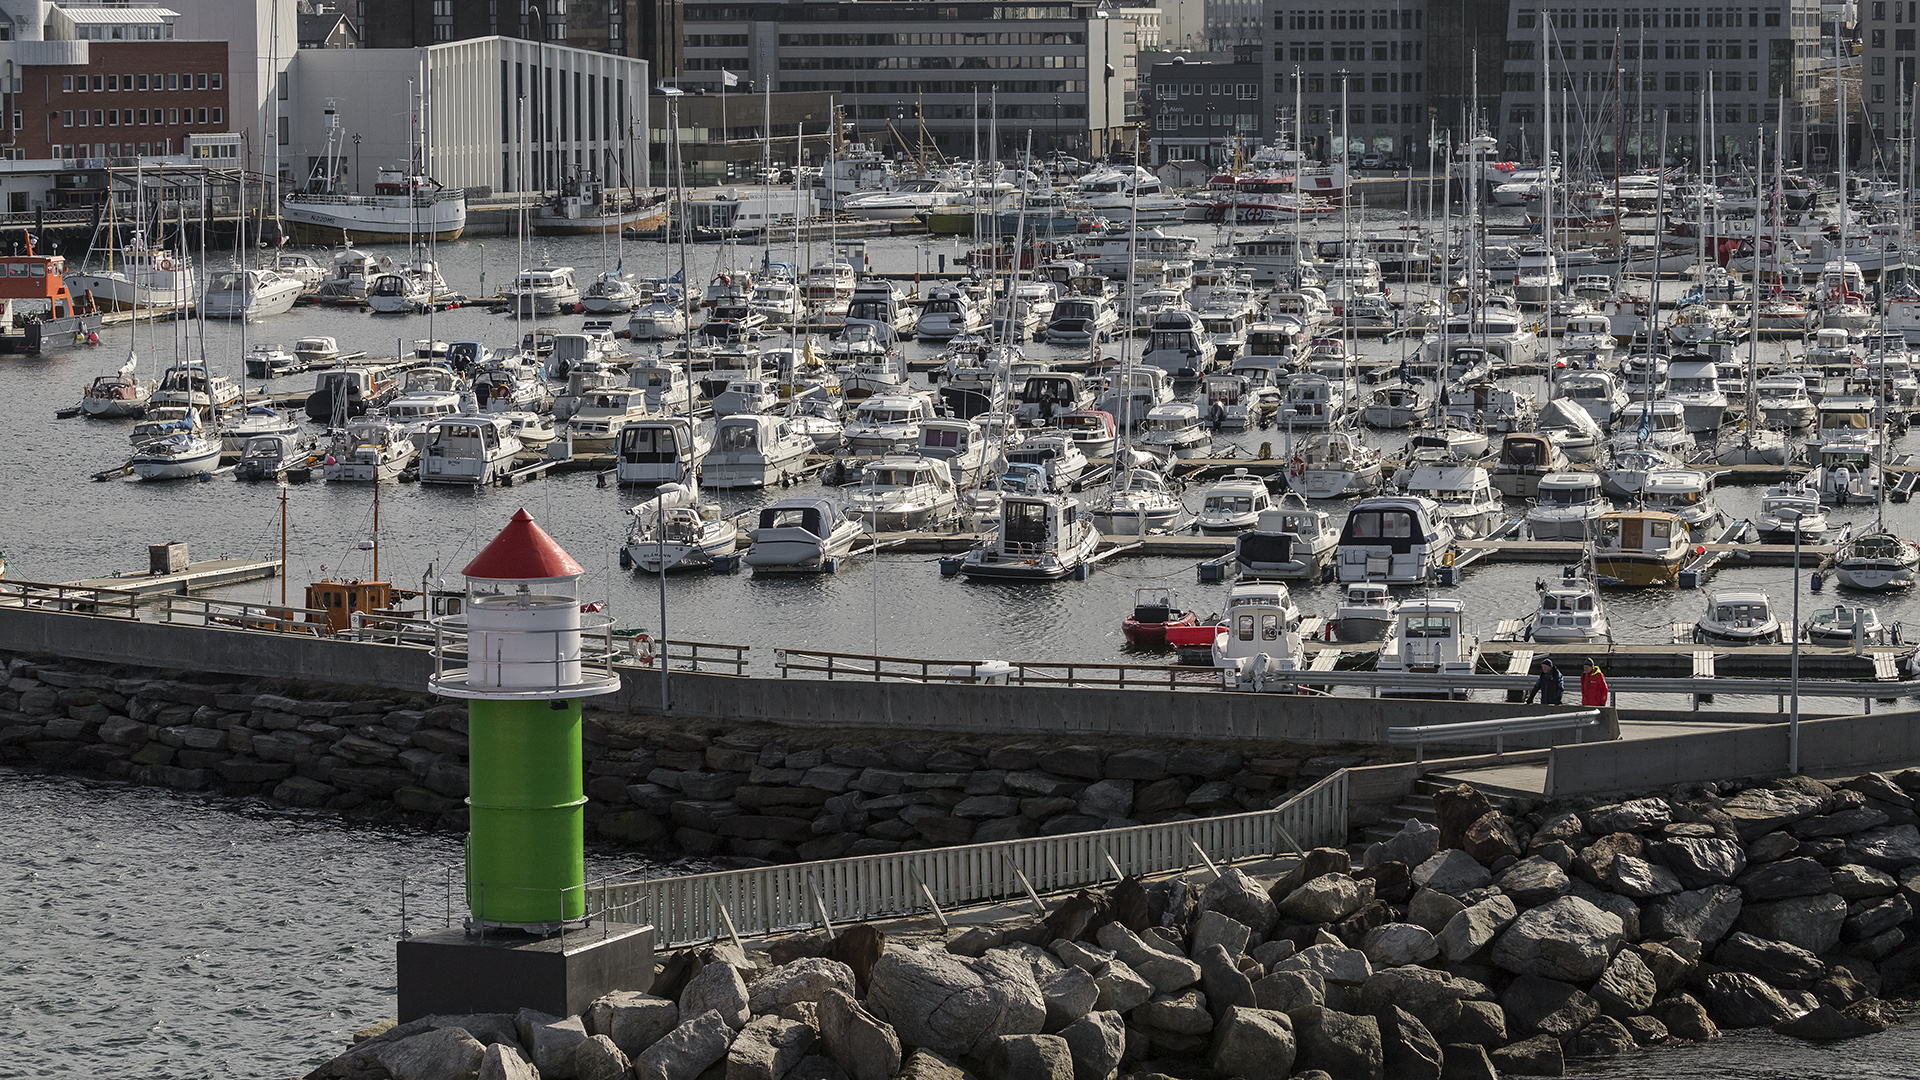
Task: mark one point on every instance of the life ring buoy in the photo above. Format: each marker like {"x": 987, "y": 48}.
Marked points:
{"x": 1299, "y": 466}
{"x": 163, "y": 263}
{"x": 386, "y": 262}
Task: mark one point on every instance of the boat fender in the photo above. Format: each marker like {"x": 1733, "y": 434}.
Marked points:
{"x": 1447, "y": 559}
{"x": 1327, "y": 631}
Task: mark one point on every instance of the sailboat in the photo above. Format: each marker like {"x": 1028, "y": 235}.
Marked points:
{"x": 1879, "y": 559}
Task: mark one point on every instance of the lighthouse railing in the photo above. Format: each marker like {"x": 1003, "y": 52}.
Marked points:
{"x": 697, "y": 908}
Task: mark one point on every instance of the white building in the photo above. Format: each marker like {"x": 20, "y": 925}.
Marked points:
{"x": 500, "y": 113}
{"x": 262, "y": 39}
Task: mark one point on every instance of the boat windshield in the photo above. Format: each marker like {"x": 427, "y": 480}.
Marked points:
{"x": 1429, "y": 626}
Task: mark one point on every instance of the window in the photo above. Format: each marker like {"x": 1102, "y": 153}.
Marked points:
{"x": 66, "y": 120}
{"x": 173, "y": 82}
{"x": 99, "y": 82}
{"x": 143, "y": 116}
{"x": 113, "y": 82}
{"x": 66, "y": 83}
{"x": 143, "y": 82}
{"x": 203, "y": 116}
{"x": 98, "y": 118}
{"x": 217, "y": 118}
{"x": 173, "y": 116}
{"x": 203, "y": 81}
{"x": 113, "y": 117}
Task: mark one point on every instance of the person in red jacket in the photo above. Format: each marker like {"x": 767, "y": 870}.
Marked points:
{"x": 1593, "y": 687}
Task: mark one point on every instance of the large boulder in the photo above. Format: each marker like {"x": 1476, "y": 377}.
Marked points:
{"x": 1704, "y": 915}
{"x": 1759, "y": 811}
{"x": 441, "y": 1054}
{"x": 1894, "y": 847}
{"x": 1567, "y": 939}
{"x": 1605, "y": 1037}
{"x": 949, "y": 1004}
{"x": 504, "y": 1061}
{"x": 1482, "y": 1022}
{"x": 686, "y": 1051}
{"x": 1414, "y": 844}
{"x": 1241, "y": 899}
{"x": 1325, "y": 899}
{"x": 1640, "y": 879}
{"x": 1097, "y": 1042}
{"x": 1474, "y": 928}
{"x": 1700, "y": 861}
{"x": 1433, "y": 909}
{"x": 1827, "y": 1024}
{"x": 1627, "y": 987}
{"x": 1491, "y": 839}
{"x": 1121, "y": 988}
{"x": 1432, "y": 996}
{"x": 1638, "y": 816}
{"x": 768, "y": 1048}
{"x": 1455, "y": 809}
{"x": 1736, "y": 999}
{"x": 1253, "y": 1043}
{"x": 1184, "y": 1013}
{"x": 1812, "y": 923}
{"x": 1787, "y": 967}
{"x": 598, "y": 1059}
{"x": 861, "y": 1043}
{"x": 1409, "y": 1051}
{"x": 634, "y": 1021}
{"x": 1538, "y": 1056}
{"x": 1452, "y": 872}
{"x": 1164, "y": 970}
{"x": 550, "y": 1041}
{"x": 1785, "y": 878}
{"x": 1533, "y": 881}
{"x": 717, "y": 987}
{"x": 1029, "y": 1057}
{"x": 1685, "y": 1018}
{"x": 1397, "y": 944}
{"x": 1225, "y": 984}
{"x": 1072, "y": 992}
{"x": 1334, "y": 963}
{"x": 806, "y": 979}
{"x": 1547, "y": 1007}
{"x": 1338, "y": 1044}
{"x": 1213, "y": 928}
{"x": 1288, "y": 991}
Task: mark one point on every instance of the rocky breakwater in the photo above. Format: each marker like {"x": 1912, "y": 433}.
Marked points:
{"x": 1490, "y": 943}
{"x": 751, "y": 793}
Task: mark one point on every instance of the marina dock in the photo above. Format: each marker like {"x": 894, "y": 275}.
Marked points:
{"x": 207, "y": 574}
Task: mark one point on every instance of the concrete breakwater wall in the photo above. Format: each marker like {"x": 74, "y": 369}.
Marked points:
{"x": 1491, "y": 943}
{"x": 710, "y": 789}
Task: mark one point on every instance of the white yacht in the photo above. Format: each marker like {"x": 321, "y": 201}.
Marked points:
{"x": 1570, "y": 612}
{"x": 1566, "y": 507}
{"x": 1395, "y": 407}
{"x": 468, "y": 450}
{"x": 1142, "y": 502}
{"x": 1694, "y": 382}
{"x": 1040, "y": 537}
{"x": 1661, "y": 425}
{"x": 1526, "y": 457}
{"x": 1047, "y": 394}
{"x": 614, "y": 292}
{"x": 1257, "y": 650}
{"x": 804, "y": 534}
{"x": 1059, "y": 455}
{"x": 1234, "y": 503}
{"x": 1179, "y": 344}
{"x": 369, "y": 450}
{"x": 659, "y": 450}
{"x": 1572, "y": 430}
{"x": 753, "y": 450}
{"x": 1737, "y": 617}
{"x": 1311, "y": 401}
{"x": 745, "y": 396}
{"x": 1173, "y": 430}
{"x": 1431, "y": 643}
{"x": 1687, "y": 494}
{"x": 192, "y": 386}
{"x": 961, "y": 444}
{"x": 1625, "y": 472}
{"x": 676, "y": 533}
{"x": 1877, "y": 560}
{"x": 1332, "y": 464}
{"x": 1463, "y": 493}
{"x": 1081, "y": 320}
{"x": 887, "y": 423}
{"x": 1597, "y": 392}
{"x": 1365, "y": 612}
{"x": 1791, "y": 509}
{"x": 660, "y": 320}
{"x": 1090, "y": 429}
{"x": 596, "y": 422}
{"x": 257, "y": 420}
{"x": 948, "y": 313}
{"x": 1783, "y": 402}
{"x": 904, "y": 493}
{"x": 145, "y": 277}
{"x": 1396, "y": 539}
{"x": 1134, "y": 392}
{"x": 176, "y": 456}
{"x": 1290, "y": 541}
{"x": 249, "y": 294}
{"x": 544, "y": 290}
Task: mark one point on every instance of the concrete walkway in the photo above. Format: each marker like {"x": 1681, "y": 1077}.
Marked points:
{"x": 1531, "y": 780}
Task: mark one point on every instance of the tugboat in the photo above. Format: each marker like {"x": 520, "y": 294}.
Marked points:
{"x": 36, "y": 310}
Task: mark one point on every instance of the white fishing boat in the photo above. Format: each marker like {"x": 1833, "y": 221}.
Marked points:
{"x": 1393, "y": 538}
{"x": 1258, "y": 651}
{"x": 1566, "y": 506}
{"x": 1058, "y": 455}
{"x": 962, "y": 444}
{"x": 1395, "y": 407}
{"x": 1463, "y": 493}
{"x": 192, "y": 386}
{"x": 614, "y": 292}
{"x": 1570, "y": 613}
{"x": 370, "y": 450}
{"x": 805, "y": 534}
{"x": 249, "y": 294}
{"x": 1179, "y": 344}
{"x": 403, "y": 207}
{"x": 1091, "y": 430}
{"x": 1233, "y": 504}
{"x": 1312, "y": 400}
{"x": 137, "y": 276}
{"x": 469, "y": 450}
{"x": 1737, "y": 617}
{"x": 1788, "y": 509}
{"x": 1365, "y": 612}
{"x": 1432, "y": 644}
{"x": 1687, "y": 494}
{"x": 176, "y": 457}
{"x": 597, "y": 421}
{"x": 1784, "y": 402}
{"x": 904, "y": 493}
{"x": 1039, "y": 538}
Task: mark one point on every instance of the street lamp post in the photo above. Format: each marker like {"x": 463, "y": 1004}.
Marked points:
{"x": 1056, "y": 126}
{"x": 356, "y": 163}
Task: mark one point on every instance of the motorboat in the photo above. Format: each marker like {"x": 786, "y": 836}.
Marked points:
{"x": 1291, "y": 541}
{"x": 1694, "y": 382}
{"x": 398, "y": 294}
{"x": 962, "y": 444}
{"x": 1312, "y": 400}
{"x": 343, "y": 393}
{"x": 1687, "y": 493}
{"x": 192, "y": 386}
{"x": 1791, "y": 509}
{"x": 114, "y": 396}
{"x": 146, "y": 276}
{"x": 682, "y": 533}
{"x": 320, "y": 349}
{"x": 1526, "y": 457}
{"x": 534, "y": 430}
{"x": 1783, "y": 402}
{"x": 1463, "y": 493}
{"x": 427, "y": 394}
{"x": 1569, "y": 613}
{"x": 1332, "y": 464}
{"x": 948, "y": 313}
{"x": 596, "y": 423}
{"x": 1639, "y": 548}
{"x": 249, "y": 294}
{"x": 614, "y": 292}
{"x": 1059, "y": 455}
{"x": 661, "y": 320}
{"x": 887, "y": 423}
{"x": 269, "y": 360}
{"x": 874, "y": 375}
{"x": 1179, "y": 344}
{"x": 1877, "y": 560}
{"x": 1257, "y": 651}
{"x": 1134, "y": 393}
{"x": 1588, "y": 337}
{"x": 659, "y": 450}
{"x": 1203, "y": 642}
{"x": 980, "y": 507}
{"x": 176, "y": 457}
{"x": 1155, "y": 610}
{"x": 745, "y": 396}
{"x": 803, "y": 534}
{"x": 1661, "y": 425}
{"x": 1040, "y": 537}
{"x": 1365, "y": 613}
{"x": 543, "y": 290}
{"x": 1431, "y": 642}
{"x": 1047, "y": 394}
{"x": 904, "y": 493}
{"x": 1572, "y": 430}
{"x": 1081, "y": 320}
{"x": 817, "y": 416}
{"x": 272, "y": 457}
{"x": 1844, "y": 626}
{"x": 369, "y": 450}
{"x": 1844, "y": 471}
{"x": 1626, "y": 471}
{"x": 1090, "y": 429}
{"x": 1395, "y": 407}
{"x": 1142, "y": 502}
{"x": 879, "y": 301}
{"x": 1173, "y": 430}
{"x": 507, "y": 384}
{"x": 469, "y": 450}
{"x": 1234, "y": 503}
{"x": 666, "y": 384}
{"x": 1394, "y": 538}
{"x": 1737, "y": 617}
{"x": 257, "y": 420}
{"x": 1566, "y": 506}
{"x": 1597, "y": 392}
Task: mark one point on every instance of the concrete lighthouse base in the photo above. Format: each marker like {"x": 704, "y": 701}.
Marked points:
{"x": 448, "y": 972}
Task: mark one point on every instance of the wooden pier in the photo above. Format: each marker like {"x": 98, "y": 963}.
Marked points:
{"x": 205, "y": 574}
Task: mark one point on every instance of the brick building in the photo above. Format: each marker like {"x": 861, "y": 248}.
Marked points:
{"x": 132, "y": 98}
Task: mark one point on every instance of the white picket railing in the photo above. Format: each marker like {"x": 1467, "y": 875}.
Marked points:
{"x": 706, "y": 907}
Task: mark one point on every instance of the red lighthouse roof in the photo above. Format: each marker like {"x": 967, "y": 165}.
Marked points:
{"x": 522, "y": 551}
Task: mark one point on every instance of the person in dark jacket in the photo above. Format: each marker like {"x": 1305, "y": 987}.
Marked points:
{"x": 1549, "y": 686}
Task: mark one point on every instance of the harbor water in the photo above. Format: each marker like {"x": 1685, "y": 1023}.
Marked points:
{"x": 164, "y": 935}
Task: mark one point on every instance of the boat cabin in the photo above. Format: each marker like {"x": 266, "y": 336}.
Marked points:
{"x": 339, "y": 600}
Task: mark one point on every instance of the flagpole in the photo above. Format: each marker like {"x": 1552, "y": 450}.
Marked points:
{"x": 726, "y": 162}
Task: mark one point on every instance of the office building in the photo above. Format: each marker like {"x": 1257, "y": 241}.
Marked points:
{"x": 1201, "y": 104}
{"x": 1886, "y": 87}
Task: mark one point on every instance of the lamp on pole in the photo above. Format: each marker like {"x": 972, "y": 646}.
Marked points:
{"x": 1056, "y": 126}
{"x": 356, "y": 163}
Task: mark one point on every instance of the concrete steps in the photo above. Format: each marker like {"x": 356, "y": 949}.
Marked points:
{"x": 1419, "y": 804}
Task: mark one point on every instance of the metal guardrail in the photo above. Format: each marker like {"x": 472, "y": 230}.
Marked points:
{"x": 706, "y": 907}
{"x": 1625, "y": 684}
{"x": 645, "y": 651}
{"x": 76, "y": 599}
{"x": 838, "y": 665}
{"x": 238, "y": 615}
{"x": 1423, "y": 734}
